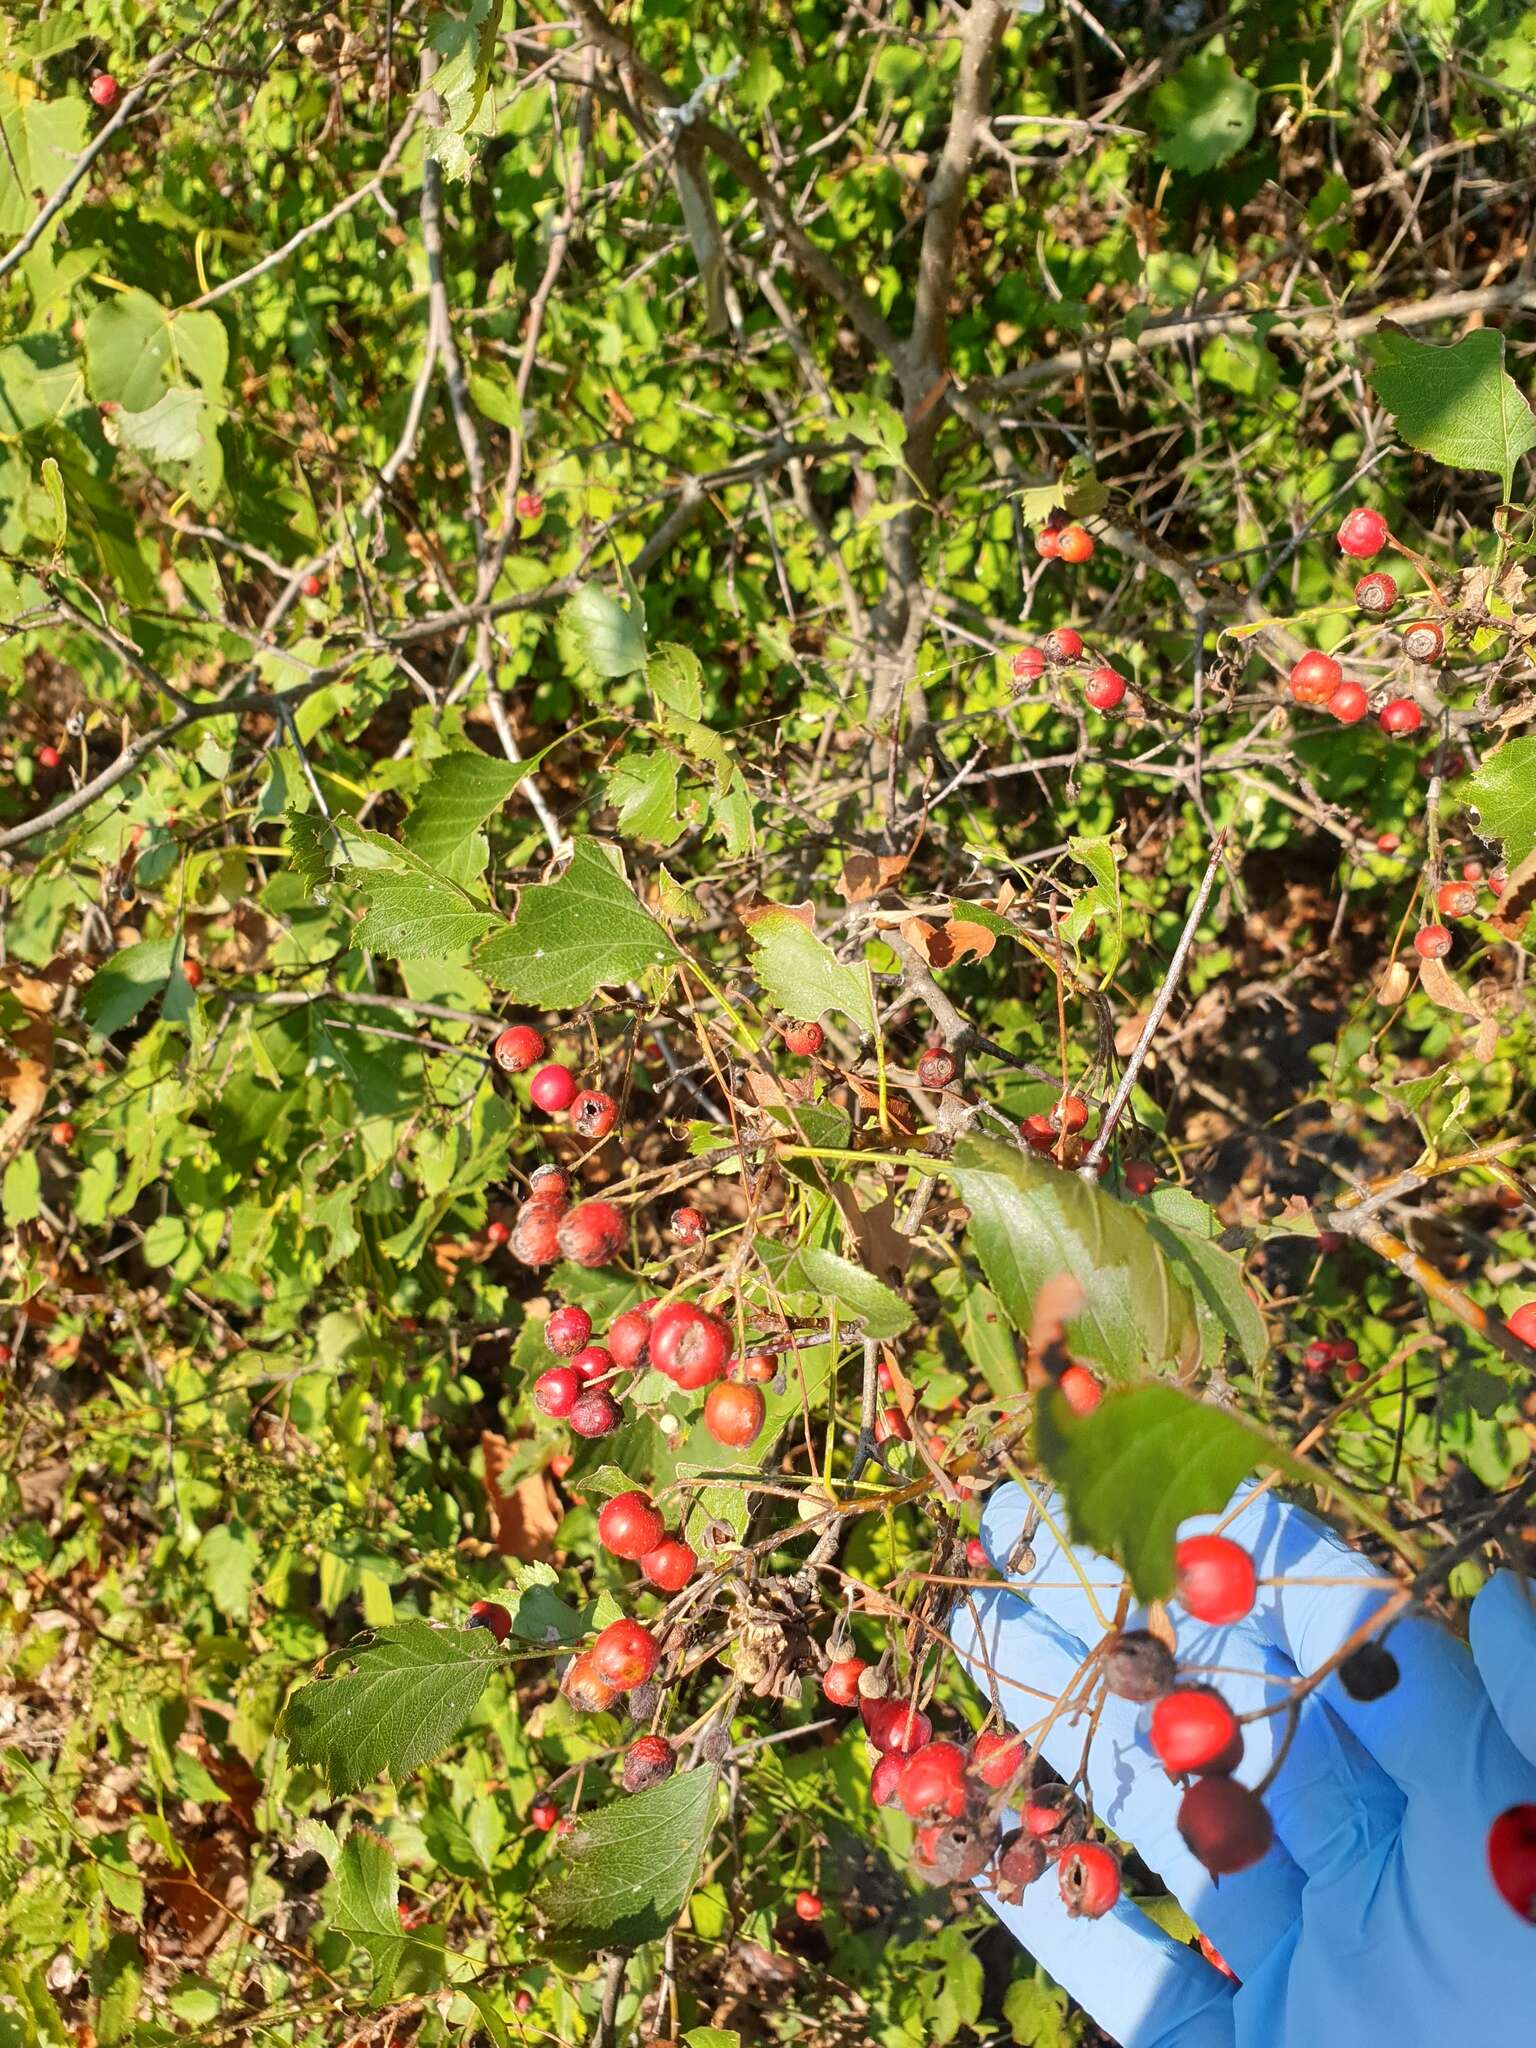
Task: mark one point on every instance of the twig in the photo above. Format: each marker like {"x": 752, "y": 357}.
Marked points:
{"x": 613, "y": 1988}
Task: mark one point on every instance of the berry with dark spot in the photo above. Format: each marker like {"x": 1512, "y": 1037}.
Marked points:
{"x": 534, "y": 1234}
{"x": 1456, "y": 899}
{"x": 490, "y": 1614}
{"x": 624, "y": 1653}
{"x": 687, "y": 1226}
{"x": 567, "y": 1330}
{"x": 543, "y": 1814}
{"x": 1433, "y": 942}
{"x": 1423, "y": 640}
{"x": 804, "y": 1040}
{"x": 650, "y": 1761}
{"x": 1137, "y": 1666}
{"x": 1075, "y": 544}
{"x": 629, "y": 1338}
{"x": 1376, "y": 592}
{"x": 1020, "y": 1861}
{"x": 1369, "y": 1672}
{"x": 515, "y": 1049}
{"x": 1065, "y": 644}
{"x": 594, "y": 1412}
{"x": 1104, "y": 689}
{"x": 936, "y": 1068}
{"x": 1089, "y": 1877}
{"x": 593, "y": 1113}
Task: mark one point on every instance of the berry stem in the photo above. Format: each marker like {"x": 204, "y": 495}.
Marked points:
{"x": 1423, "y": 568}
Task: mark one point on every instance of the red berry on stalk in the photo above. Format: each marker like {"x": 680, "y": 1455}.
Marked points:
{"x": 889, "y": 1423}
{"x": 625, "y": 1654}
{"x": 490, "y": 1614}
{"x": 1512, "y": 1858}
{"x": 1048, "y": 543}
{"x": 1376, "y": 592}
{"x": 1089, "y": 1877}
{"x": 1497, "y": 880}
{"x": 1080, "y": 1390}
{"x": 933, "y": 1783}
{"x": 651, "y": 1761}
{"x": 840, "y": 1680}
{"x": 515, "y": 1049}
{"x": 1363, "y": 533}
{"x": 1472, "y": 871}
{"x": 894, "y": 1727}
{"x": 64, "y": 1132}
{"x": 808, "y": 1906}
{"x": 553, "y": 1088}
{"x": 1070, "y": 1112}
{"x": 1225, "y": 1826}
{"x": 759, "y": 1367}
{"x": 998, "y": 1759}
{"x": 543, "y": 1814}
{"x": 1052, "y": 1815}
{"x": 591, "y": 1233}
{"x": 497, "y": 1232}
{"x": 976, "y": 1555}
{"x": 522, "y": 2000}
{"x": 534, "y": 1234}
{"x": 1387, "y": 842}
{"x": 690, "y": 1347}
{"x": 885, "y": 1780}
{"x": 629, "y": 1338}
{"x": 585, "y": 1686}
{"x": 1193, "y": 1729}
{"x": 629, "y": 1526}
{"x": 567, "y": 1330}
{"x": 1315, "y": 677}
{"x": 311, "y": 586}
{"x": 1401, "y": 715}
{"x": 1140, "y": 1176}
{"x": 1348, "y": 704}
{"x": 687, "y": 1226}
{"x": 592, "y": 1362}
{"x": 594, "y": 1412}
{"x": 549, "y": 1184}
{"x": 1433, "y": 942}
{"x": 1423, "y": 640}
{"x": 529, "y": 505}
{"x": 1038, "y": 1131}
{"x": 555, "y": 1391}
{"x": 804, "y": 1040}
{"x": 47, "y": 757}
{"x": 192, "y": 973}
{"x": 1104, "y": 689}
{"x": 1456, "y": 899}
{"x": 936, "y": 1068}
{"x": 1215, "y": 1578}
{"x": 670, "y": 1565}
{"x": 593, "y": 1113}
{"x": 1065, "y": 644}
{"x": 103, "y": 89}
{"x": 1074, "y": 544}
{"x": 1317, "y": 1357}
{"x": 1028, "y": 665}
{"x": 1522, "y": 1323}
{"x": 733, "y": 1413}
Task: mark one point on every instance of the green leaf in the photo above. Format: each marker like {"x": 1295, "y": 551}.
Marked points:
{"x": 463, "y": 788}
{"x": 43, "y": 139}
{"x": 643, "y": 788}
{"x": 1186, "y": 1229}
{"x": 228, "y": 1557}
{"x": 676, "y": 681}
{"x": 1036, "y": 2012}
{"x": 122, "y": 985}
{"x": 1205, "y": 113}
{"x": 611, "y": 639}
{"x": 1031, "y": 1223}
{"x": 412, "y": 912}
{"x": 388, "y": 1702}
{"x": 884, "y": 1313}
{"x": 21, "y": 1191}
{"x": 1135, "y": 1467}
{"x": 1455, "y": 404}
{"x": 573, "y": 936}
{"x": 800, "y": 974}
{"x": 1503, "y": 794}
{"x": 1100, "y": 905}
{"x": 137, "y": 350}
{"x": 631, "y": 1866}
{"x": 117, "y": 1978}
{"x": 457, "y": 111}
{"x": 366, "y": 1904}
{"x": 53, "y": 484}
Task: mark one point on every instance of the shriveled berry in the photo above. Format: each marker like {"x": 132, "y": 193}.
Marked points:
{"x": 1348, "y": 704}
{"x": 1080, "y": 1390}
{"x": 808, "y": 1906}
{"x": 805, "y": 1040}
{"x": 1020, "y": 1861}
{"x": 933, "y": 1783}
{"x": 650, "y": 1761}
{"x": 687, "y": 1226}
{"x": 543, "y": 1814}
{"x": 1214, "y": 1578}
{"x": 1074, "y": 544}
{"x": 1225, "y": 1826}
{"x": 555, "y": 1391}
{"x": 593, "y": 1113}
{"x": 629, "y": 1338}
{"x": 1089, "y": 1877}
{"x": 1376, "y": 592}
{"x": 1315, "y": 677}
{"x": 1423, "y": 640}
{"x": 953, "y": 1851}
{"x": 1065, "y": 644}
{"x": 1512, "y": 1858}
{"x": 691, "y": 1347}
{"x": 629, "y": 1525}
{"x": 534, "y": 1237}
{"x": 591, "y": 1233}
{"x": 733, "y": 1413}
{"x": 1363, "y": 533}
{"x": 1104, "y": 689}
{"x": 490, "y": 1614}
{"x": 585, "y": 1686}
{"x": 1432, "y": 942}
{"x": 670, "y": 1565}
{"x": 1369, "y": 1672}
{"x": 1193, "y": 1729}
{"x": 1400, "y": 715}
{"x": 567, "y": 1330}
{"x": 549, "y": 1184}
{"x": 594, "y": 1412}
{"x": 936, "y": 1068}
{"x": 516, "y": 1049}
{"x": 553, "y": 1088}
{"x": 1456, "y": 899}
{"x": 1137, "y": 1666}
{"x": 1028, "y": 665}
{"x": 624, "y": 1653}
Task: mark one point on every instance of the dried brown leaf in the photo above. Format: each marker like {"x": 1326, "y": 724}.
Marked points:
{"x": 525, "y": 1513}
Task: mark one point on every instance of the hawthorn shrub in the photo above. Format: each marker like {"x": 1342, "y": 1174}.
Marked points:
{"x": 722, "y": 822}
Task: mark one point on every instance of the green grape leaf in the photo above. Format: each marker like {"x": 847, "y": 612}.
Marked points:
{"x": 1503, "y": 794}
{"x": 43, "y": 141}
{"x": 456, "y": 101}
{"x": 464, "y": 787}
{"x": 122, "y": 985}
{"x": 884, "y": 1313}
{"x": 630, "y": 1867}
{"x": 676, "y": 681}
{"x": 136, "y": 351}
{"x": 1456, "y": 404}
{"x": 643, "y": 789}
{"x": 611, "y": 639}
{"x": 799, "y": 972}
{"x": 388, "y": 1702}
{"x": 1205, "y": 112}
{"x": 573, "y": 936}
{"x": 1031, "y": 1223}
{"x": 411, "y": 910}
{"x": 366, "y": 1904}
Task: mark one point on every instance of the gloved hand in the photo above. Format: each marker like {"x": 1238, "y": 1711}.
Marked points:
{"x": 1372, "y": 1922}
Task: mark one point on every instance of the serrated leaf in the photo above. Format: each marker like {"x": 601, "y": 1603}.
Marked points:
{"x": 611, "y": 639}
{"x": 643, "y": 789}
{"x": 122, "y": 985}
{"x": 799, "y": 972}
{"x": 366, "y": 1904}
{"x": 1205, "y": 113}
{"x": 228, "y": 1557}
{"x": 1187, "y": 1230}
{"x": 1100, "y": 905}
{"x": 883, "y": 1312}
{"x": 631, "y": 1866}
{"x": 411, "y": 910}
{"x": 1503, "y": 794}
{"x": 675, "y": 680}
{"x": 1031, "y": 1223}
{"x": 573, "y": 936}
{"x": 388, "y": 1702}
{"x": 1456, "y": 404}
{"x": 463, "y": 788}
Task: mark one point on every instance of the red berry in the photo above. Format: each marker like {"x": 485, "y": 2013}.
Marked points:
{"x": 1522, "y": 1323}
{"x": 1387, "y": 842}
{"x": 1089, "y": 1877}
{"x": 936, "y": 1068}
{"x": 47, "y": 757}
{"x": 555, "y": 1391}
{"x": 840, "y": 1681}
{"x": 529, "y": 505}
{"x": 534, "y": 1234}
{"x": 998, "y": 1759}
{"x": 548, "y": 1184}
{"x": 516, "y": 1049}
{"x": 567, "y": 1330}
{"x": 592, "y": 1362}
{"x": 1104, "y": 689}
{"x": 1216, "y": 1959}
{"x": 594, "y": 1412}
{"x": 651, "y": 1761}
{"x": 804, "y": 1040}
{"x": 311, "y": 586}
{"x": 1401, "y": 715}
{"x": 894, "y": 1727}
{"x": 1317, "y": 1357}
{"x": 1423, "y": 640}
{"x": 1193, "y": 1729}
{"x": 1331, "y": 1240}
{"x": 629, "y": 1526}
{"x": 192, "y": 973}
{"x": 624, "y": 1653}
{"x": 885, "y": 1780}
{"x": 1225, "y": 1826}
{"x": 1363, "y": 533}
{"x": 1080, "y": 1390}
{"x": 733, "y": 1414}
{"x": 891, "y": 1423}
{"x": 690, "y": 1347}
{"x": 1020, "y": 1861}
{"x": 1052, "y": 1815}
{"x": 1432, "y": 943}
{"x": 591, "y": 1233}
{"x": 1456, "y": 899}
{"x": 522, "y": 2000}
{"x": 1028, "y": 665}
{"x": 1074, "y": 544}
{"x": 884, "y": 1376}
{"x": 492, "y": 1615}
{"x": 687, "y": 1226}
{"x": 1038, "y": 1131}
{"x": 933, "y": 1783}
{"x": 629, "y": 1338}
{"x": 976, "y": 1555}
{"x": 1065, "y": 644}
{"x": 670, "y": 1565}
{"x": 1376, "y": 592}
{"x": 593, "y": 1113}
{"x": 1216, "y": 1581}
{"x": 1070, "y": 1112}
{"x": 808, "y": 1906}
{"x": 1472, "y": 871}
{"x": 103, "y": 89}
{"x": 1345, "y": 1350}
{"x": 759, "y": 1367}
{"x": 1140, "y": 1176}
{"x": 1497, "y": 880}
{"x": 1348, "y": 704}
{"x": 1048, "y": 543}
{"x": 1512, "y": 1858}
{"x": 64, "y": 1132}
{"x": 1315, "y": 678}
{"x": 553, "y": 1088}
{"x": 585, "y": 1686}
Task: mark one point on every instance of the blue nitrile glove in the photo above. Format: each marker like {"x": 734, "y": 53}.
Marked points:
{"x": 1372, "y": 1922}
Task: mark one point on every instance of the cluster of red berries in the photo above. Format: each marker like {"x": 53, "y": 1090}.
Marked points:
{"x": 1062, "y": 540}
{"x": 630, "y": 1526}
{"x": 686, "y": 1343}
{"x": 548, "y": 1226}
{"x": 1317, "y": 679}
{"x": 553, "y": 1088}
{"x": 1325, "y": 1353}
{"x": 1105, "y": 688}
